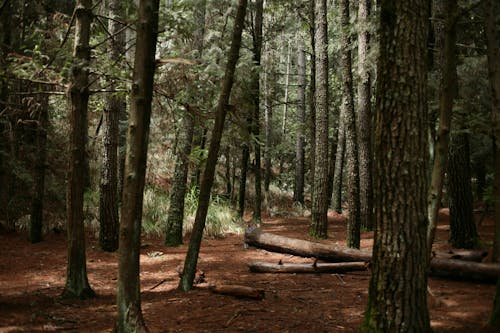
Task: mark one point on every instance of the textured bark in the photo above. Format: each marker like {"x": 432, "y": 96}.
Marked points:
{"x": 287, "y": 84}
{"x": 445, "y": 39}
{"x": 268, "y": 119}
{"x": 77, "y": 285}
{"x": 492, "y": 38}
{"x": 319, "y": 220}
{"x": 173, "y": 232}
{"x": 298, "y": 192}
{"x": 354, "y": 219}
{"x": 365, "y": 117}
{"x": 257, "y": 50}
{"x": 312, "y": 93}
{"x": 343, "y": 267}
{"x": 36, "y": 221}
{"x": 463, "y": 233}
{"x": 128, "y": 295}
{"x": 245, "y": 156}
{"x": 339, "y": 164}
{"x": 108, "y": 204}
{"x": 398, "y": 283}
{"x": 188, "y": 274}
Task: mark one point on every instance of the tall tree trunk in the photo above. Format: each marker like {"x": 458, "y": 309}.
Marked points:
{"x": 398, "y": 282}
{"x": 354, "y": 219}
{"x": 257, "y": 51}
{"x": 319, "y": 222}
{"x": 312, "y": 93}
{"x": 287, "y": 84}
{"x": 36, "y": 221}
{"x": 108, "y": 204}
{"x": 298, "y": 192}
{"x": 492, "y": 40}
{"x": 445, "y": 16}
{"x": 173, "y": 233}
{"x": 463, "y": 233}
{"x": 128, "y": 295}
{"x": 365, "y": 117}
{"x": 190, "y": 263}
{"x": 339, "y": 164}
{"x": 78, "y": 92}
{"x": 268, "y": 118}
{"x": 245, "y": 156}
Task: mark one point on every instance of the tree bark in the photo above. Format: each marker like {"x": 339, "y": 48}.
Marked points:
{"x": 365, "y": 117}
{"x": 400, "y": 173}
{"x": 245, "y": 156}
{"x": 77, "y": 285}
{"x": 298, "y": 192}
{"x": 108, "y": 204}
{"x": 343, "y": 267}
{"x": 339, "y": 164}
{"x": 463, "y": 233}
{"x": 188, "y": 274}
{"x": 128, "y": 295}
{"x": 319, "y": 220}
{"x": 444, "y": 21}
{"x": 312, "y": 93}
{"x": 354, "y": 218}
{"x": 268, "y": 118}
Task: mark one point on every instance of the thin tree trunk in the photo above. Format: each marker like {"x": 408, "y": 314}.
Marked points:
{"x": 268, "y": 118}
{"x": 36, "y": 221}
{"x": 287, "y": 83}
{"x": 444, "y": 21}
{"x": 365, "y": 117}
{"x": 190, "y": 263}
{"x": 77, "y": 285}
{"x": 398, "y": 282}
{"x": 463, "y": 233}
{"x": 319, "y": 222}
{"x": 312, "y": 93}
{"x": 339, "y": 164}
{"x": 128, "y": 295}
{"x": 245, "y": 156}
{"x": 298, "y": 193}
{"x": 108, "y": 204}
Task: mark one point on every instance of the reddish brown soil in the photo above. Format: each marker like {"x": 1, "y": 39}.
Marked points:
{"x": 32, "y": 278}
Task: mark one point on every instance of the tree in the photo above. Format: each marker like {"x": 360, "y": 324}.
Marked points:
{"x": 128, "y": 294}
{"x": 298, "y": 192}
{"x": 364, "y": 120}
{"x": 312, "y": 93}
{"x": 398, "y": 282}
{"x": 173, "y": 232}
{"x": 354, "y": 222}
{"x": 191, "y": 260}
{"x": 78, "y": 92}
{"x": 445, "y": 16}
{"x": 108, "y": 203}
{"x": 319, "y": 222}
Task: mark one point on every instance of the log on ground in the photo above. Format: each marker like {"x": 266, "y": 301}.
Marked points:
{"x": 238, "y": 291}
{"x": 342, "y": 267}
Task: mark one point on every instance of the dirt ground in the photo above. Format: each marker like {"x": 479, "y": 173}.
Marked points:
{"x": 32, "y": 277}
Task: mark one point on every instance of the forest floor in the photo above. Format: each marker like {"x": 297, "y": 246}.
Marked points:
{"x": 32, "y": 277}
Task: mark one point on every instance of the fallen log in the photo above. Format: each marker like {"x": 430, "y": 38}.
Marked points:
{"x": 450, "y": 268}
{"x": 298, "y": 247}
{"x": 237, "y": 291}
{"x": 341, "y": 267}
{"x": 466, "y": 255}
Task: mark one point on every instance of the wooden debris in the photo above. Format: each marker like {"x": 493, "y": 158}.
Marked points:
{"x": 238, "y": 291}
{"x": 267, "y": 267}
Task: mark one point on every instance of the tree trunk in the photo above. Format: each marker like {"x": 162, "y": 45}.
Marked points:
{"x": 339, "y": 164}
{"x": 444, "y": 21}
{"x": 312, "y": 93}
{"x": 173, "y": 233}
{"x": 319, "y": 221}
{"x": 365, "y": 117}
{"x": 188, "y": 274}
{"x": 491, "y": 28}
{"x": 268, "y": 118}
{"x": 108, "y": 204}
{"x": 245, "y": 156}
{"x": 36, "y": 221}
{"x": 128, "y": 294}
{"x": 463, "y": 233}
{"x": 257, "y": 50}
{"x": 354, "y": 218}
{"x": 338, "y": 268}
{"x": 78, "y": 92}
{"x": 400, "y": 173}
{"x": 298, "y": 192}
{"x": 287, "y": 83}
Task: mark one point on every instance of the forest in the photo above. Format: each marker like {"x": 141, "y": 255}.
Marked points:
{"x": 250, "y": 166}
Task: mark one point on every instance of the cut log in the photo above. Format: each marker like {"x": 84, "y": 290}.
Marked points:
{"x": 298, "y": 247}
{"x": 466, "y": 255}
{"x": 341, "y": 267}
{"x": 450, "y": 268}
{"x": 237, "y": 291}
